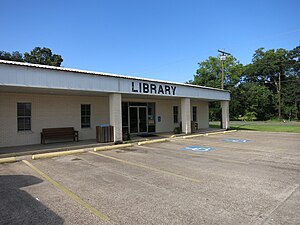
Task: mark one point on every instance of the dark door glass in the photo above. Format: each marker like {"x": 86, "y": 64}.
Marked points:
{"x": 133, "y": 119}
{"x": 143, "y": 119}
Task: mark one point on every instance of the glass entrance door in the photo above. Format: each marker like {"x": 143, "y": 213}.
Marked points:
{"x": 138, "y": 119}
{"x": 133, "y": 119}
{"x": 142, "y": 119}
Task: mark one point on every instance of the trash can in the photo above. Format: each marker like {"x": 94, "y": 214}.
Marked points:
{"x": 104, "y": 133}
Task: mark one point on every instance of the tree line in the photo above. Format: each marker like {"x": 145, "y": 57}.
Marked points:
{"x": 264, "y": 89}
{"x": 267, "y": 88}
{"x": 38, "y": 55}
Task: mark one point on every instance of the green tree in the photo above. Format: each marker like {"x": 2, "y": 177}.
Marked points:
{"x": 271, "y": 82}
{"x": 209, "y": 74}
{"x": 278, "y": 70}
{"x": 43, "y": 56}
{"x": 256, "y": 99}
{"x": 5, "y": 55}
{"x": 38, "y": 55}
{"x": 291, "y": 90}
{"x": 14, "y": 56}
{"x": 294, "y": 62}
{"x": 17, "y": 56}
{"x": 269, "y": 68}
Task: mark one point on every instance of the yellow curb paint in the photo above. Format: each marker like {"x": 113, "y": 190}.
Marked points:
{"x": 147, "y": 167}
{"x": 192, "y": 136}
{"x": 152, "y": 141}
{"x": 104, "y": 148}
{"x": 207, "y": 134}
{"x": 67, "y": 192}
{"x": 230, "y": 131}
{"x": 213, "y": 133}
{"x": 223, "y": 132}
{"x": 56, "y": 154}
{"x": 8, "y": 160}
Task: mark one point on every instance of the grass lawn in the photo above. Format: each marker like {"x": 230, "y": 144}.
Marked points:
{"x": 262, "y": 126}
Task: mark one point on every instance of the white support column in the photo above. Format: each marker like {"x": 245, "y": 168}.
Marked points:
{"x": 186, "y": 115}
{"x": 115, "y": 115}
{"x": 225, "y": 114}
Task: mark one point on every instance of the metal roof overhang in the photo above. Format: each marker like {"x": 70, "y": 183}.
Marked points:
{"x": 29, "y": 78}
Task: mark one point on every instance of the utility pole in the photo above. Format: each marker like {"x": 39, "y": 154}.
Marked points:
{"x": 279, "y": 96}
{"x": 223, "y": 58}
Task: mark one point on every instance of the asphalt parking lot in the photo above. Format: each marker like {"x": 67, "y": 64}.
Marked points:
{"x": 235, "y": 178}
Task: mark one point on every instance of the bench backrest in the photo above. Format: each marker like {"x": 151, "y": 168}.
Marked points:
{"x": 58, "y": 131}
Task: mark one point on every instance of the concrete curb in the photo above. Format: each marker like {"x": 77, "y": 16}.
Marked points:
{"x": 8, "y": 160}
{"x": 50, "y": 150}
{"x": 207, "y": 134}
{"x": 213, "y": 133}
{"x": 231, "y": 131}
{"x": 135, "y": 141}
{"x": 104, "y": 148}
{"x": 56, "y": 154}
{"x": 221, "y": 132}
{"x": 193, "y": 135}
{"x": 152, "y": 141}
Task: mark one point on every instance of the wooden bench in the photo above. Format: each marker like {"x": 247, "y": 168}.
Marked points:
{"x": 58, "y": 133}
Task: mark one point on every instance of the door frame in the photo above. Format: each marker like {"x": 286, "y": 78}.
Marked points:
{"x": 138, "y": 119}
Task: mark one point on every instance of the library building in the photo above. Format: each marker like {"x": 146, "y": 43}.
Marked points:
{"x": 36, "y": 100}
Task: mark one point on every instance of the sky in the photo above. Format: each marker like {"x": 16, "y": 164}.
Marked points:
{"x": 158, "y": 39}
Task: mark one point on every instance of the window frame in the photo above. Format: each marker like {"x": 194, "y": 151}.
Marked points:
{"x": 175, "y": 114}
{"x": 25, "y": 116}
{"x": 194, "y": 113}
{"x": 86, "y": 114}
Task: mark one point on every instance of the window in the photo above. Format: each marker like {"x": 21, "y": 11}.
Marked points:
{"x": 85, "y": 116}
{"x": 195, "y": 113}
{"x": 175, "y": 114}
{"x": 24, "y": 116}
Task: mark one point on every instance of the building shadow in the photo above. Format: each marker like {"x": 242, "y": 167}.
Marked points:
{"x": 19, "y": 207}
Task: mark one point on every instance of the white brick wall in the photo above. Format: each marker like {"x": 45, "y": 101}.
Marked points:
{"x": 202, "y": 113}
{"x": 65, "y": 111}
{"x": 48, "y": 111}
{"x": 164, "y": 109}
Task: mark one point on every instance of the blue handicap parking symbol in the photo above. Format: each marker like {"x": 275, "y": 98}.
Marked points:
{"x": 236, "y": 140}
{"x": 198, "y": 148}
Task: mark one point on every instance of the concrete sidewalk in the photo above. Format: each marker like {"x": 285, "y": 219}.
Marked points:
{"x": 51, "y": 147}
{"x": 86, "y": 144}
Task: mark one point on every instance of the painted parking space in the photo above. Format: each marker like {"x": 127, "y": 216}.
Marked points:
{"x": 146, "y": 184}
{"x": 234, "y": 140}
{"x": 198, "y": 148}
{"x": 67, "y": 192}
{"x": 27, "y": 197}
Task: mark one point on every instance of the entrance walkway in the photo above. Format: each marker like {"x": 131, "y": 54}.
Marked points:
{"x": 86, "y": 144}
{"x": 51, "y": 147}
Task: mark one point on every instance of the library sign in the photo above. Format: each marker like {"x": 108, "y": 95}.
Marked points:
{"x": 150, "y": 88}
